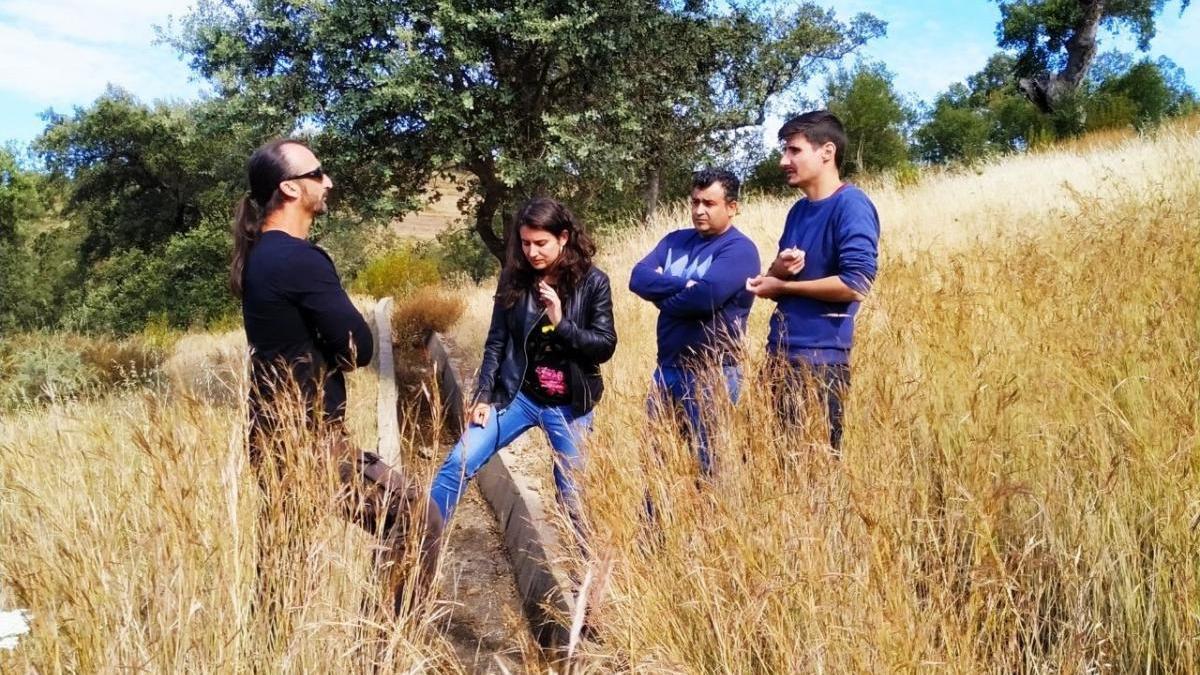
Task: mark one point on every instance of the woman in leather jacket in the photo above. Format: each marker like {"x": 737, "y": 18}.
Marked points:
{"x": 552, "y": 327}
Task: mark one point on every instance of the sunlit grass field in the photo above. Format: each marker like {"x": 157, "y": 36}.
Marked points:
{"x": 1019, "y": 489}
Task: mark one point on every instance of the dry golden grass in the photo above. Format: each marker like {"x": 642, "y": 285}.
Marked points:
{"x": 129, "y": 527}
{"x": 1020, "y": 479}
{"x": 1018, "y": 490}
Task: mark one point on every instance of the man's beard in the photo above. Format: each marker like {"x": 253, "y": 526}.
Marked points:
{"x": 316, "y": 204}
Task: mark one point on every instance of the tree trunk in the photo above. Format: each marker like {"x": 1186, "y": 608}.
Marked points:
{"x": 653, "y": 185}
{"x": 1047, "y": 91}
{"x": 494, "y": 191}
{"x": 1081, "y": 48}
{"x": 483, "y": 225}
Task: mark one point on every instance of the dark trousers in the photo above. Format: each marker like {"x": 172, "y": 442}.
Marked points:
{"x": 798, "y": 383}
{"x": 378, "y": 498}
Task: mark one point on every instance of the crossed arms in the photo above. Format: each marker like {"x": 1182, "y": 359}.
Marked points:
{"x": 696, "y": 298}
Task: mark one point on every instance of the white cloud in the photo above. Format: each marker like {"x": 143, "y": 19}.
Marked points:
{"x": 97, "y": 22}
{"x": 65, "y": 52}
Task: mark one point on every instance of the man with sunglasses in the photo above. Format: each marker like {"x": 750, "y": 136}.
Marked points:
{"x": 304, "y": 333}
{"x": 293, "y": 303}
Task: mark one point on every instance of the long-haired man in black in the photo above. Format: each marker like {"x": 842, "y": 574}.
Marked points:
{"x": 304, "y": 333}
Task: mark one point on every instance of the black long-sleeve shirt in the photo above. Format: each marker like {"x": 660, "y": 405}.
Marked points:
{"x": 299, "y": 321}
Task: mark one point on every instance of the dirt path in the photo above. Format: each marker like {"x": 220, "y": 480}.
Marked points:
{"x": 486, "y": 626}
{"x": 486, "y": 623}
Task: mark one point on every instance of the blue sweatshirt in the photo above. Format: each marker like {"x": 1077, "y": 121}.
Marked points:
{"x": 840, "y": 237}
{"x": 711, "y": 313}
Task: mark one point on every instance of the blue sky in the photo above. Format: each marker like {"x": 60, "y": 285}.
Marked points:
{"x": 61, "y": 53}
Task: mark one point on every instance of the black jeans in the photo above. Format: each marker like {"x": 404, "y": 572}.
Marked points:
{"x": 797, "y": 382}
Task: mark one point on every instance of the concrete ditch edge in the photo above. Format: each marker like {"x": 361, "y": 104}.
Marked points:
{"x": 388, "y": 424}
{"x": 528, "y": 533}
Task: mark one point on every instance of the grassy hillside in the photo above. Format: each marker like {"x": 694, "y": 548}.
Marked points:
{"x": 1019, "y": 484}
{"x": 1018, "y": 490}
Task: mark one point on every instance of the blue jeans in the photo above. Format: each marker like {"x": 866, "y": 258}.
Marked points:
{"x": 682, "y": 388}
{"x": 564, "y": 430}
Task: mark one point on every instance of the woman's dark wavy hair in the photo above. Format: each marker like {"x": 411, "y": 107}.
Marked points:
{"x": 265, "y": 170}
{"x": 548, "y": 215}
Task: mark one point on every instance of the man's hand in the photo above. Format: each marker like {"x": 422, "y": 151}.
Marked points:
{"x": 479, "y": 414}
{"x": 788, "y": 263}
{"x": 765, "y": 286}
{"x": 551, "y": 302}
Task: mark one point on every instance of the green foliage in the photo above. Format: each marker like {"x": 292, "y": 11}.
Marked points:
{"x": 139, "y": 174}
{"x": 22, "y": 202}
{"x": 353, "y": 242}
{"x": 149, "y": 190}
{"x": 988, "y": 114}
{"x": 1056, "y": 44}
{"x": 182, "y": 283}
{"x": 16, "y": 274}
{"x": 954, "y": 134}
{"x": 460, "y": 253}
{"x": 20, "y": 199}
{"x": 767, "y": 178}
{"x": 124, "y": 291}
{"x": 398, "y": 273}
{"x": 874, "y": 116}
{"x": 1041, "y": 30}
{"x": 196, "y": 265}
{"x": 539, "y": 97}
{"x": 1141, "y": 94}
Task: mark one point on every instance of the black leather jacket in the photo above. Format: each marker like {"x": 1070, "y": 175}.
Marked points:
{"x": 586, "y": 327}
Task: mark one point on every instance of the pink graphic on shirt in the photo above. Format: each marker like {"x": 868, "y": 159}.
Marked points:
{"x": 553, "y": 382}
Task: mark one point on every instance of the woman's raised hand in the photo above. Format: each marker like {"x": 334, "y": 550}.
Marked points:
{"x": 550, "y": 300}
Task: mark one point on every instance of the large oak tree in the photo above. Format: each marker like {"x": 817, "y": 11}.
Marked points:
{"x": 523, "y": 97}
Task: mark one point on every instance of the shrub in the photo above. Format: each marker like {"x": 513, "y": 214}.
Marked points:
{"x": 463, "y": 253}
{"x": 398, "y": 273}
{"x": 40, "y": 368}
{"x": 766, "y": 177}
{"x": 43, "y": 367}
{"x": 353, "y": 243}
{"x": 113, "y": 362}
{"x": 123, "y": 292}
{"x": 196, "y": 269}
{"x": 425, "y": 311}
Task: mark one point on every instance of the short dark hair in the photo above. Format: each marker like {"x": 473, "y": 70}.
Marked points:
{"x": 818, "y": 127}
{"x": 706, "y": 177}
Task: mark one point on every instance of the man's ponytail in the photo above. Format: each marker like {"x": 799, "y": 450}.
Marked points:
{"x": 266, "y": 169}
{"x": 247, "y": 226}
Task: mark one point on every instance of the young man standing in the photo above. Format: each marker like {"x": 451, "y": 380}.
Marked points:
{"x": 697, "y": 279}
{"x": 826, "y": 264}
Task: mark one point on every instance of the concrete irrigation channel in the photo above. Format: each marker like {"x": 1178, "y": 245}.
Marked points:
{"x": 499, "y": 569}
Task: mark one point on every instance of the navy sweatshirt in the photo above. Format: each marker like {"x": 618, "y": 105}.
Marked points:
{"x": 708, "y": 315}
{"x": 840, "y": 237}
{"x": 298, "y": 316}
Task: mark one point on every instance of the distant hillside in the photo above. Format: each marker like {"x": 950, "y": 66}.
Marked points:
{"x": 440, "y": 213}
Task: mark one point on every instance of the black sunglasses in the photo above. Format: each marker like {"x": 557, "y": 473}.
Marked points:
{"x": 316, "y": 174}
